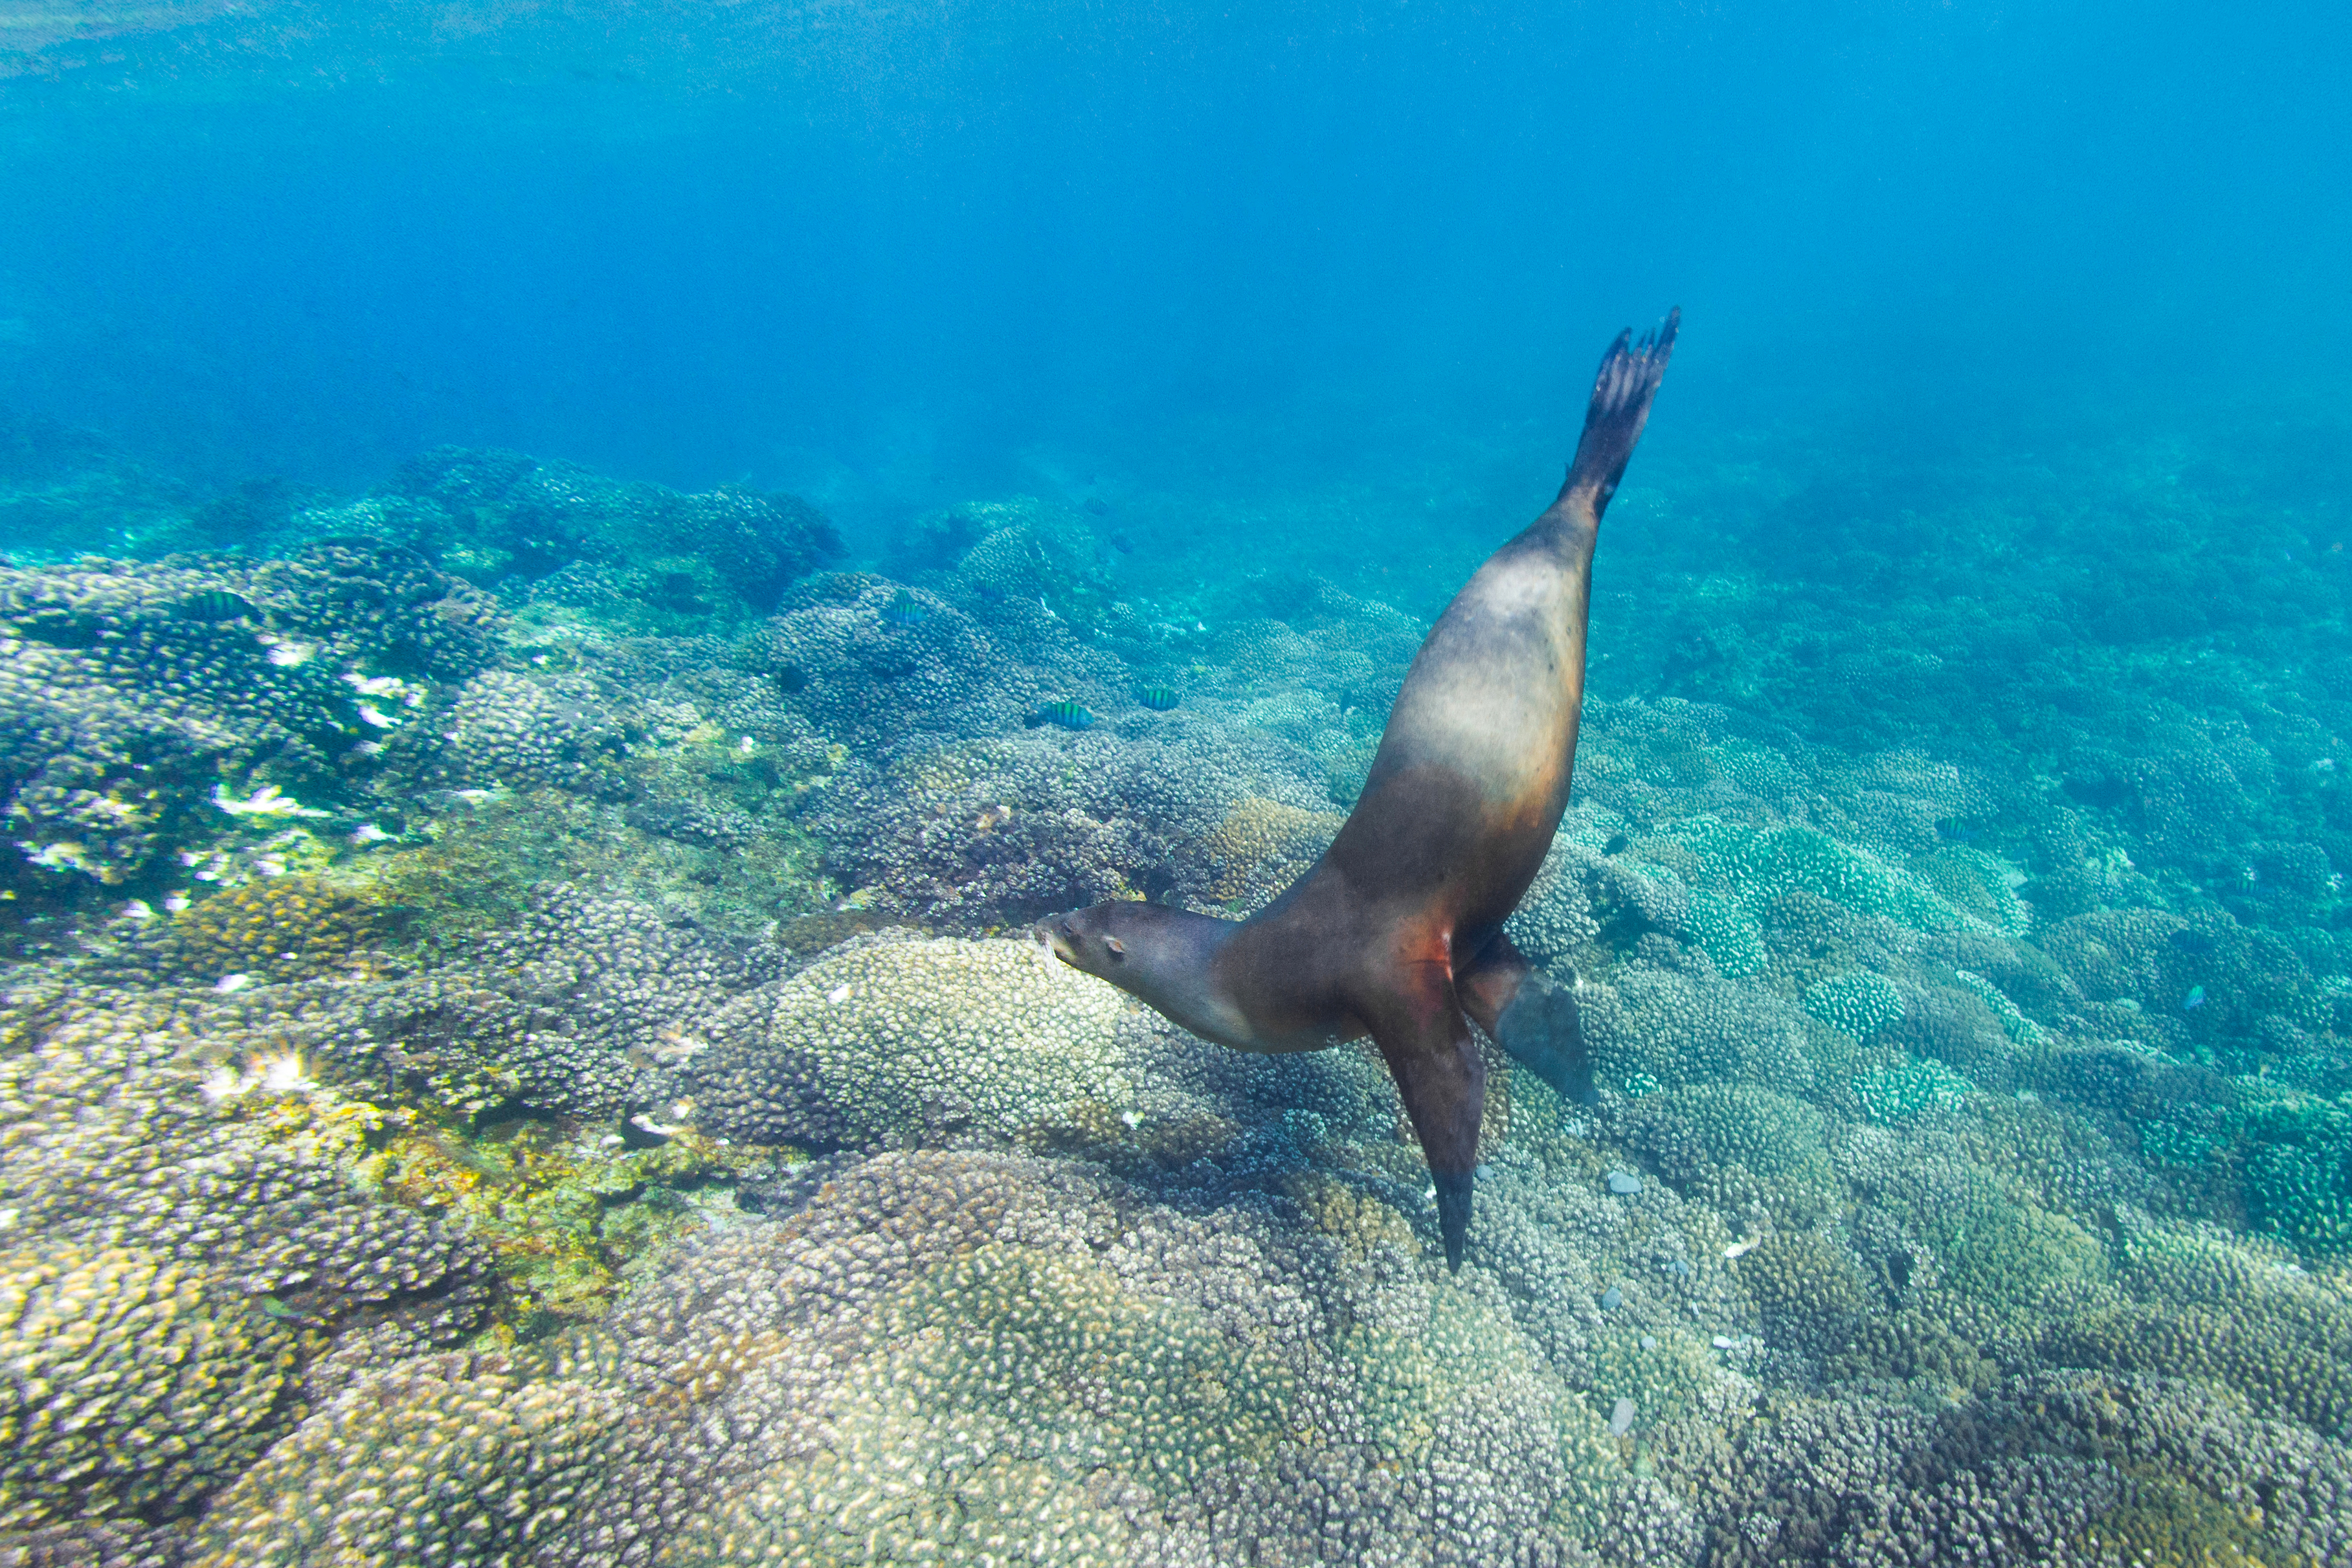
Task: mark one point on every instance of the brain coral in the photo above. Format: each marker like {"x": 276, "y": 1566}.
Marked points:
{"x": 982, "y": 834}
{"x": 520, "y": 731}
{"x": 973, "y": 1359}
{"x": 1440, "y": 1372}
{"x": 2202, "y": 1305}
{"x": 897, "y": 1039}
{"x": 993, "y": 1387}
{"x": 872, "y": 681}
{"x": 2299, "y": 1171}
{"x": 2009, "y": 1253}
{"x": 960, "y": 1358}
{"x": 2062, "y": 1468}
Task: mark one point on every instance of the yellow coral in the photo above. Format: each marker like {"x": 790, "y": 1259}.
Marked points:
{"x": 1359, "y": 1222}
{"x": 2163, "y": 1521}
{"x": 441, "y": 1460}
{"x": 563, "y": 1213}
{"x": 132, "y": 1387}
{"x": 1263, "y": 844}
{"x": 286, "y": 928}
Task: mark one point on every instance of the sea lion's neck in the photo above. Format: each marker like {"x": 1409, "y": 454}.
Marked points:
{"x": 1171, "y": 969}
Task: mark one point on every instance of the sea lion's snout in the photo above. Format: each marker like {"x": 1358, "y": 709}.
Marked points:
{"x": 1060, "y": 938}
{"x": 1078, "y": 947}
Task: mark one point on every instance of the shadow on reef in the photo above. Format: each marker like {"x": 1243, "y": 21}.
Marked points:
{"x": 514, "y": 1073}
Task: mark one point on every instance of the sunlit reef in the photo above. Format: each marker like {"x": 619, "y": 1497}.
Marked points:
{"x": 521, "y": 1048}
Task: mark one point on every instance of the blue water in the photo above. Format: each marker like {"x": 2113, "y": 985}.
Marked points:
{"x": 1955, "y": 879}
{"x": 903, "y": 242}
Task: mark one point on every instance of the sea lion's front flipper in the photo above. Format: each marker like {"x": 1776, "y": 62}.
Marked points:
{"x": 1533, "y": 1017}
{"x": 1426, "y": 1042}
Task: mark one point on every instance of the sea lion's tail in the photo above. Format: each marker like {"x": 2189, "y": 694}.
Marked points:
{"x": 1630, "y": 374}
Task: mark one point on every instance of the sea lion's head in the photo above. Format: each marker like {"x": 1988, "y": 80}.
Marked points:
{"x": 1162, "y": 954}
{"x": 1096, "y": 939}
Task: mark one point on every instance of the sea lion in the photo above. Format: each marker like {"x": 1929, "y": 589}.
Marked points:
{"x": 1397, "y": 931}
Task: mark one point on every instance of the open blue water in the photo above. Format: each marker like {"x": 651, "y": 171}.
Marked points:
{"x": 810, "y": 491}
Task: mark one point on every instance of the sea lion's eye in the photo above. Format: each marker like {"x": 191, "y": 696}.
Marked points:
{"x": 1118, "y": 948}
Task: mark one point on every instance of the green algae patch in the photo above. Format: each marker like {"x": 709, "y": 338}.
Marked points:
{"x": 570, "y": 1214}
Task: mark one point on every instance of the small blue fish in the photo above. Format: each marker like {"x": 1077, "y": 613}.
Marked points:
{"x": 1068, "y": 714}
{"x": 904, "y": 611}
{"x": 1952, "y": 830}
{"x": 2195, "y": 999}
{"x": 2194, "y": 942}
{"x": 1159, "y": 698}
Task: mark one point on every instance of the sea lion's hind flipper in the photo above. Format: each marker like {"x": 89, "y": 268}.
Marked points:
{"x": 1543, "y": 1032}
{"x": 1442, "y": 1078}
{"x": 1533, "y": 1017}
{"x": 1629, "y": 377}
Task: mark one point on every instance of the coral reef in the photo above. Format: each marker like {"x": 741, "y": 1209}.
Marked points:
{"x": 532, "y": 1071}
{"x": 138, "y": 701}
{"x": 583, "y": 540}
{"x": 982, "y": 835}
{"x": 442, "y": 1458}
{"x": 181, "y": 1267}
